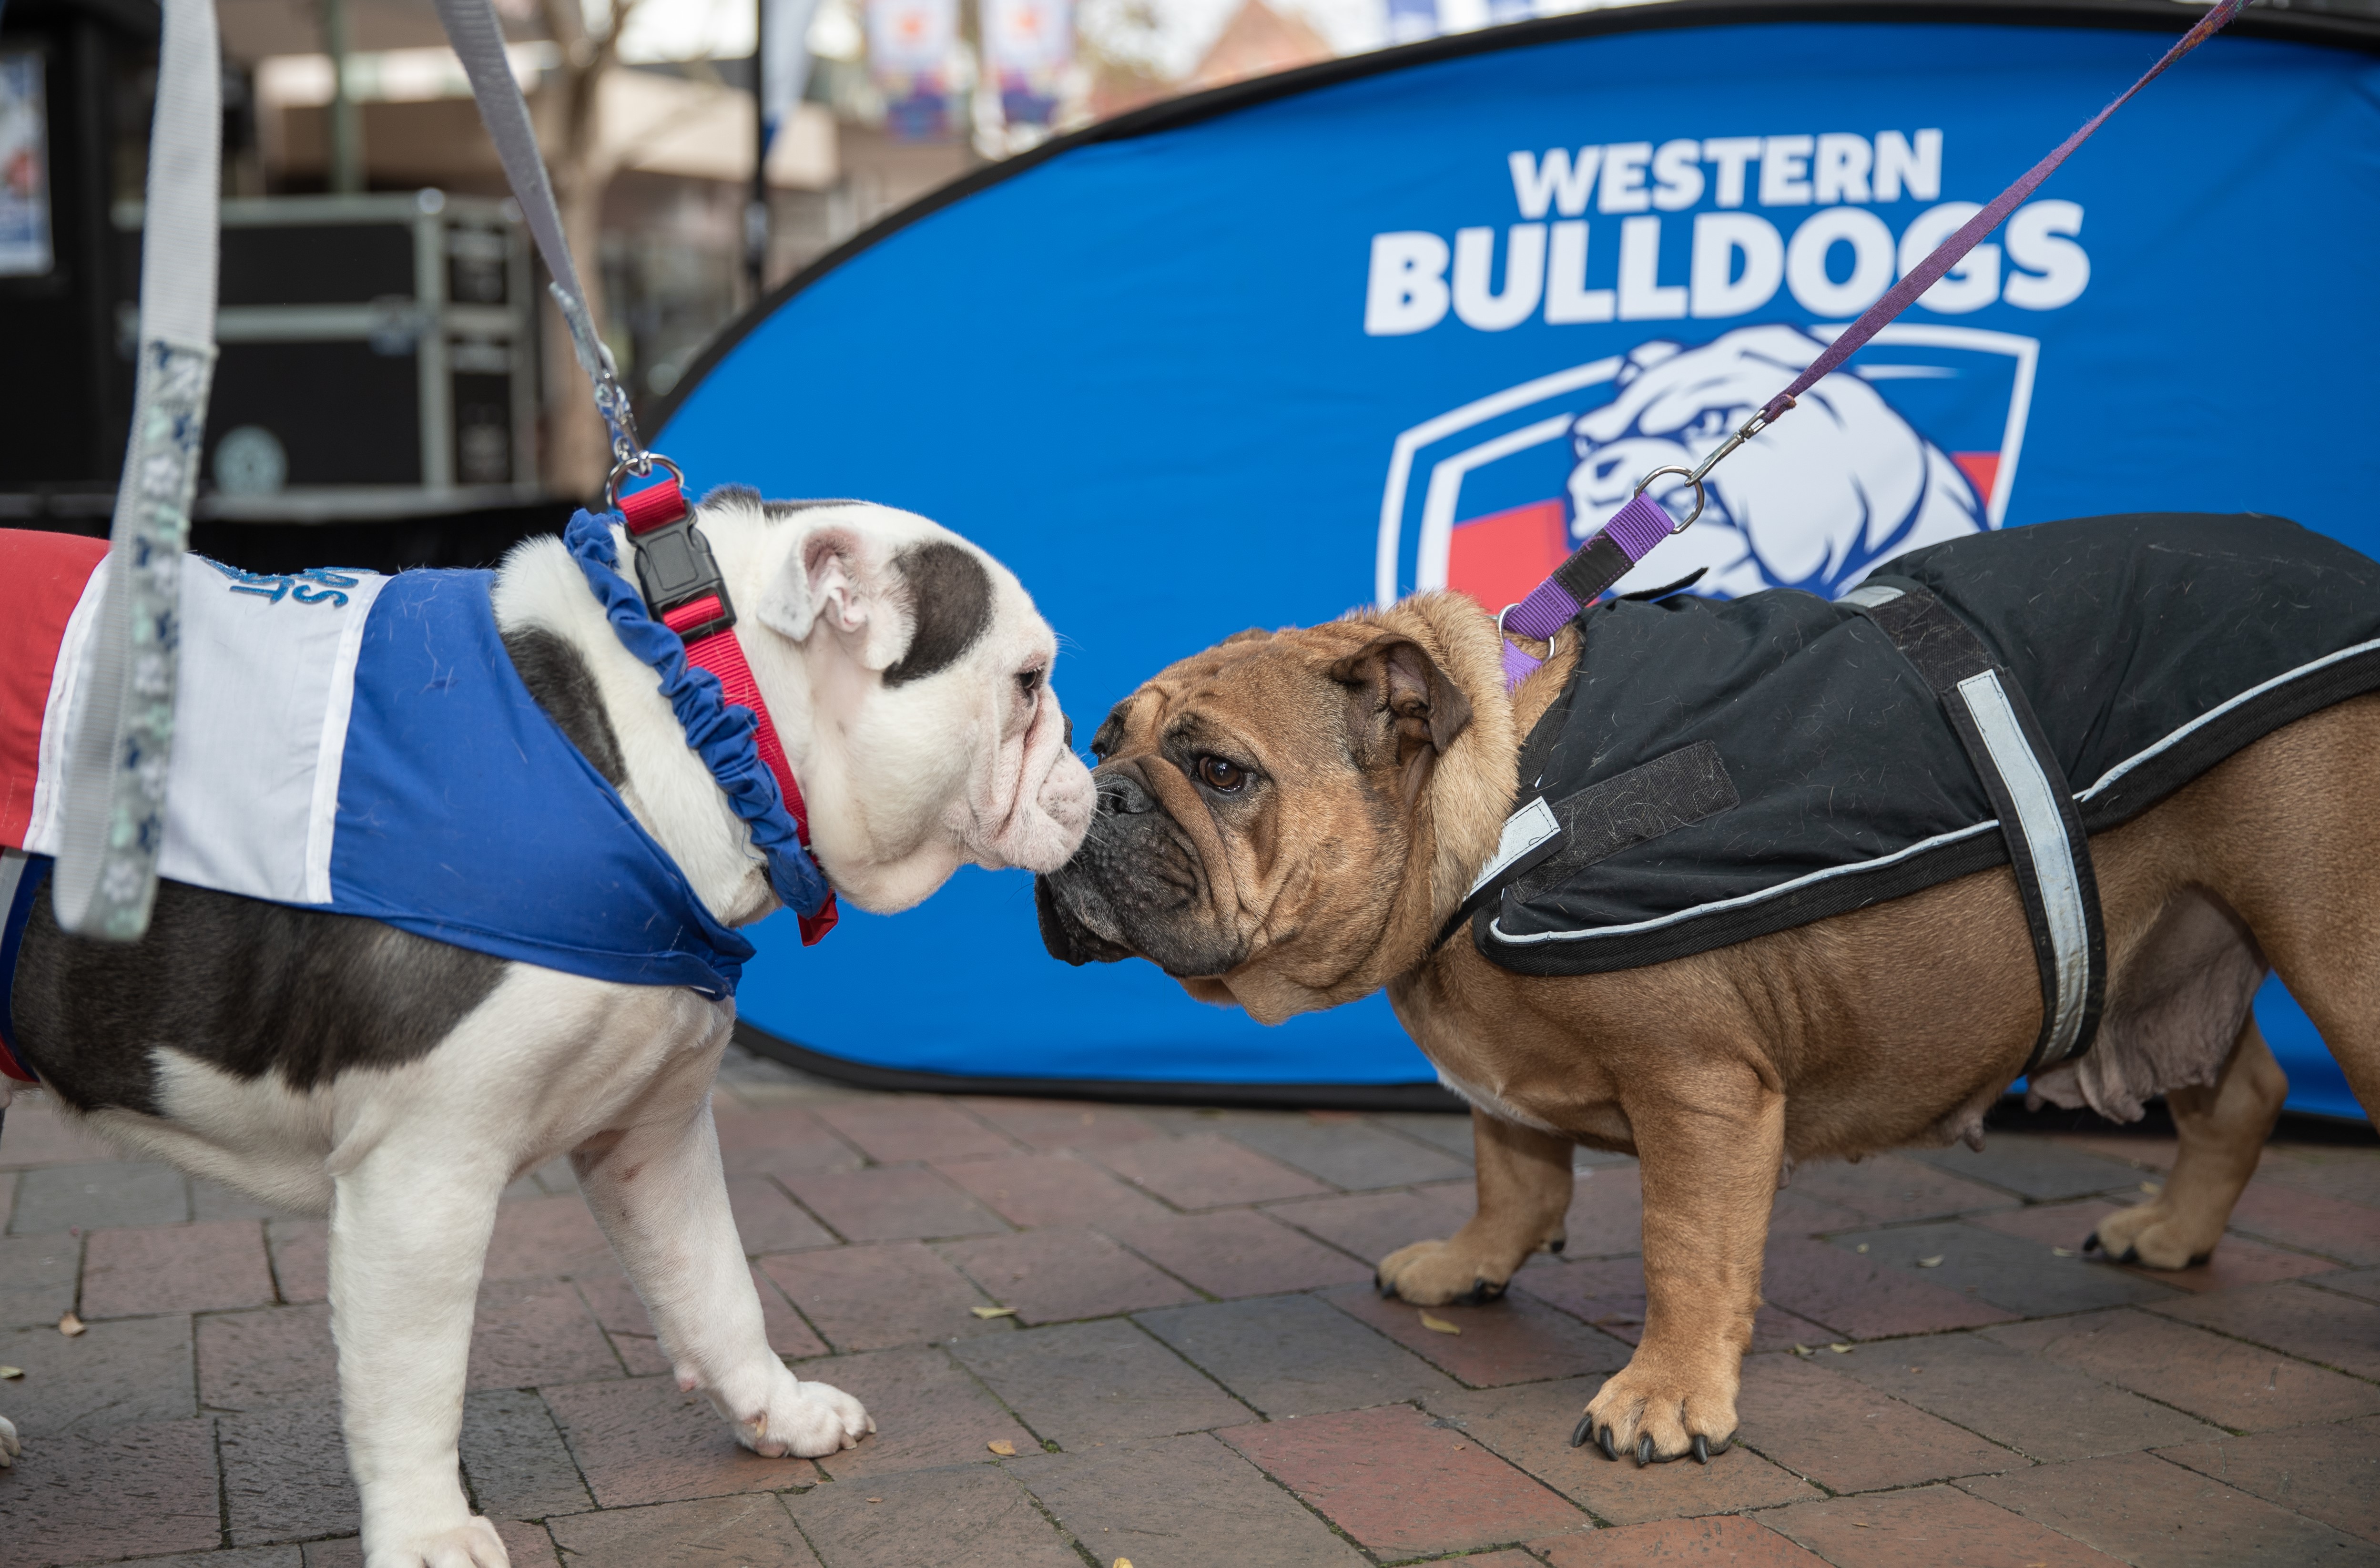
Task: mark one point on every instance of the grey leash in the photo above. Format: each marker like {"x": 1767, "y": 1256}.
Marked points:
{"x": 479, "y": 43}
{"x": 114, "y": 819}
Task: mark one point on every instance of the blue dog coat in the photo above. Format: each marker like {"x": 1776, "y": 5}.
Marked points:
{"x": 362, "y": 745}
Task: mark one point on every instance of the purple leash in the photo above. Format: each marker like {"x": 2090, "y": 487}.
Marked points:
{"x": 1640, "y": 525}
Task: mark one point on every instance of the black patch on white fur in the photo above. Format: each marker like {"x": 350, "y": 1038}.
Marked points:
{"x": 564, "y": 688}
{"x": 951, "y": 595}
{"x": 778, "y": 511}
{"x": 246, "y": 986}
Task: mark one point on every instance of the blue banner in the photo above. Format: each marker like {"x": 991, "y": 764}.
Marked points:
{"x": 1424, "y": 324}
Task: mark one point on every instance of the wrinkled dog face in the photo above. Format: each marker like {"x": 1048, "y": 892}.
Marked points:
{"x": 1254, "y": 823}
{"x": 936, "y": 739}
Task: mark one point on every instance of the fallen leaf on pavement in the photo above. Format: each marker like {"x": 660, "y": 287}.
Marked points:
{"x": 1003, "y": 1447}
{"x": 8, "y": 1374}
{"x": 988, "y": 1312}
{"x": 2152, "y": 1187}
{"x": 1862, "y": 1247}
{"x": 1804, "y": 1350}
{"x": 1933, "y": 1262}
{"x": 2061, "y": 1252}
{"x": 1842, "y": 1349}
{"x": 70, "y": 1325}
{"x": 1437, "y": 1325}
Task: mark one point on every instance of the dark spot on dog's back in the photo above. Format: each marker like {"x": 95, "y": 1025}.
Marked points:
{"x": 564, "y": 688}
{"x": 248, "y": 986}
{"x": 951, "y": 595}
{"x": 778, "y": 511}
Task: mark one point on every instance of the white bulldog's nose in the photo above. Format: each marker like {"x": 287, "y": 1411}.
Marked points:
{"x": 1048, "y": 836}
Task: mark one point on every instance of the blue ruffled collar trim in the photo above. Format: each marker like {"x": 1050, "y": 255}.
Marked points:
{"x": 724, "y": 735}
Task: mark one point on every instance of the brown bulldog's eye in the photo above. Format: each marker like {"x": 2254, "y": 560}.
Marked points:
{"x": 1220, "y": 774}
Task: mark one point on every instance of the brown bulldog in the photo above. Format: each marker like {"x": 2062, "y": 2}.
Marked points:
{"x": 1287, "y": 820}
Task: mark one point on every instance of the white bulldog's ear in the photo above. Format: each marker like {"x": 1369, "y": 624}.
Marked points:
{"x": 841, "y": 582}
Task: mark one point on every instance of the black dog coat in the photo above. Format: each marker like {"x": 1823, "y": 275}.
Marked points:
{"x": 1721, "y": 769}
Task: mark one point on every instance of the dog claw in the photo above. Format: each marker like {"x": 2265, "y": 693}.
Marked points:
{"x": 1380, "y": 1285}
{"x": 1578, "y": 1434}
{"x": 2091, "y": 1242}
{"x": 1702, "y": 1449}
{"x": 1644, "y": 1451}
{"x": 2132, "y": 1255}
{"x": 1603, "y": 1439}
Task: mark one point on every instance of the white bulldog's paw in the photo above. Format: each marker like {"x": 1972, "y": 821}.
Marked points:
{"x": 473, "y": 1544}
{"x": 808, "y": 1420}
{"x": 9, "y": 1446}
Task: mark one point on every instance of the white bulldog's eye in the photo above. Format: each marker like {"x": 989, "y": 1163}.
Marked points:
{"x": 1029, "y": 681}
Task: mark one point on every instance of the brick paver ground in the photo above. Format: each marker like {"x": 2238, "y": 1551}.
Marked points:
{"x": 1195, "y": 1372}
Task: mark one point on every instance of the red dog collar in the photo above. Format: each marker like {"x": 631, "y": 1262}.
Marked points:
{"x": 684, "y": 590}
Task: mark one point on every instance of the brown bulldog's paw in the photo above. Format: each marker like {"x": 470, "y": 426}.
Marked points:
{"x": 2156, "y": 1234}
{"x": 1657, "y": 1411}
{"x": 1437, "y": 1273}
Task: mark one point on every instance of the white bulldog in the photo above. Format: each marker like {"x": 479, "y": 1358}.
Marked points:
{"x": 1841, "y": 483}
{"x": 341, "y": 1065}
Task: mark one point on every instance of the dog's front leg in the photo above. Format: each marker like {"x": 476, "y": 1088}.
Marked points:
{"x": 410, "y": 1231}
{"x": 1710, "y": 1154}
{"x": 657, "y": 1189}
{"x": 1525, "y": 1185}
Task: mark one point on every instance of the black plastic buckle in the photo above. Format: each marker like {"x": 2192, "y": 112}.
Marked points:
{"x": 674, "y": 568}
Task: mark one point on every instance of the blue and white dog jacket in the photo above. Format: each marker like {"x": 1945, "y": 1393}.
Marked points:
{"x": 362, "y": 745}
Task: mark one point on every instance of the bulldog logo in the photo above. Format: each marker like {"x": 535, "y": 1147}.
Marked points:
{"x": 1915, "y": 443}
{"x": 1811, "y": 505}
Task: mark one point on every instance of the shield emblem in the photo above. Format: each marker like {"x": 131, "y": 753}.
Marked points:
{"x": 1916, "y": 441}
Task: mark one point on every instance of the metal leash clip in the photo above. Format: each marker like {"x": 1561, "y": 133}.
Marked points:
{"x": 1694, "y": 476}
{"x": 640, "y": 465}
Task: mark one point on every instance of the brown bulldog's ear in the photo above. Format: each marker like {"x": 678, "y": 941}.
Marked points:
{"x": 1407, "y": 681}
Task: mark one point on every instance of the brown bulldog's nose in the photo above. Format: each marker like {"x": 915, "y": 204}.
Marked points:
{"x": 1122, "y": 793}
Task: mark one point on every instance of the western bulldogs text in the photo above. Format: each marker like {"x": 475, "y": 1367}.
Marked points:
{"x": 1835, "y": 261}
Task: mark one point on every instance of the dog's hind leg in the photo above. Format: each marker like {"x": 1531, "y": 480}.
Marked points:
{"x": 409, "y": 1228}
{"x": 2223, "y": 1128}
{"x": 2284, "y": 833}
{"x": 1524, "y": 1188}
{"x": 658, "y": 1191}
